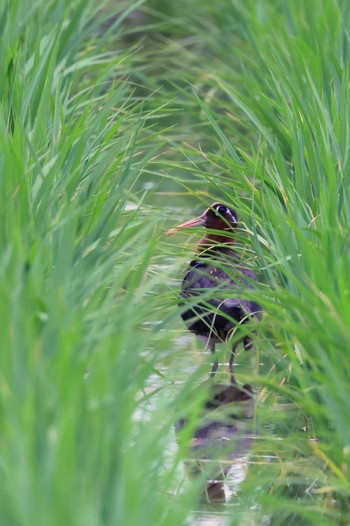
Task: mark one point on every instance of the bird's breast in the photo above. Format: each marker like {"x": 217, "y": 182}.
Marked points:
{"x": 202, "y": 275}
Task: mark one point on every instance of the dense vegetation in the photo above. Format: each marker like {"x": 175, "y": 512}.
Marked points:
{"x": 118, "y": 121}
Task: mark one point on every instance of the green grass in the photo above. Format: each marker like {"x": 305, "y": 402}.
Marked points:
{"x": 113, "y": 128}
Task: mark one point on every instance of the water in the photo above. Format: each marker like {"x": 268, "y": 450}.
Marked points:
{"x": 236, "y": 441}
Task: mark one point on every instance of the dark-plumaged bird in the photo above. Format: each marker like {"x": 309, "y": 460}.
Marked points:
{"x": 214, "y": 284}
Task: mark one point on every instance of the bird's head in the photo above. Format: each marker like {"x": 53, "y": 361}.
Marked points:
{"x": 219, "y": 219}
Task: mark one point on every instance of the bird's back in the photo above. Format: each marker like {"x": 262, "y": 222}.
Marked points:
{"x": 213, "y": 292}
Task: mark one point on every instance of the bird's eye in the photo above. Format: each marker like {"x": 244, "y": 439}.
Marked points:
{"x": 221, "y": 210}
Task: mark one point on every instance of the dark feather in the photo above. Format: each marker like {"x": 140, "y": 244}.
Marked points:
{"x": 214, "y": 317}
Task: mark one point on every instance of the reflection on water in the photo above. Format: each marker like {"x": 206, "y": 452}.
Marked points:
{"x": 235, "y": 476}
{"x": 221, "y": 443}
{"x": 222, "y": 440}
{"x": 210, "y": 519}
{"x": 220, "y": 450}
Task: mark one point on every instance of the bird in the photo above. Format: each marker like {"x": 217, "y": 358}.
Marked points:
{"x": 212, "y": 292}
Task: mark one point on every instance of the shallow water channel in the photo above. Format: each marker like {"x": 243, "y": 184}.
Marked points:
{"x": 240, "y": 436}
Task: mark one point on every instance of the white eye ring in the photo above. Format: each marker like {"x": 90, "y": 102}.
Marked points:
{"x": 221, "y": 209}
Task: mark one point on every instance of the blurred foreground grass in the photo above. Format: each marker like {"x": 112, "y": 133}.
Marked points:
{"x": 107, "y": 112}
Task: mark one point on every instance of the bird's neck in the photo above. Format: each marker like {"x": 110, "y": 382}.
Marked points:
{"x": 215, "y": 244}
